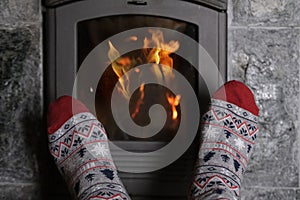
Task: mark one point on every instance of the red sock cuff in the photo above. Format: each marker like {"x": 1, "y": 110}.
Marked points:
{"x": 239, "y": 94}
{"x": 61, "y": 110}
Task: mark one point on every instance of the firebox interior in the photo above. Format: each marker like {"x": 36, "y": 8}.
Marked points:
{"x": 92, "y": 32}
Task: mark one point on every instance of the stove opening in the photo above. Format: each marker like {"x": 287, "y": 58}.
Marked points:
{"x": 92, "y": 32}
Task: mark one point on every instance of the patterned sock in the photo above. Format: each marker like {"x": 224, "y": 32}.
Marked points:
{"x": 78, "y": 143}
{"x": 229, "y": 131}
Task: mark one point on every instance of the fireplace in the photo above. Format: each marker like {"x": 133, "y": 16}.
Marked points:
{"x": 75, "y": 31}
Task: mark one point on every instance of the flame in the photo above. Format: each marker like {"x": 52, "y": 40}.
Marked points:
{"x": 160, "y": 55}
{"x": 120, "y": 65}
{"x": 140, "y": 101}
{"x": 132, "y": 38}
{"x": 173, "y": 101}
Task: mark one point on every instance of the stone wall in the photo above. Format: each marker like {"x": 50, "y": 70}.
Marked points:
{"x": 263, "y": 51}
{"x": 20, "y": 98}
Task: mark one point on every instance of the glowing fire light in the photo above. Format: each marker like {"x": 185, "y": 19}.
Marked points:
{"x": 139, "y": 102}
{"x": 173, "y": 101}
{"x": 132, "y": 38}
{"x": 158, "y": 55}
{"x": 161, "y": 54}
{"x": 120, "y": 65}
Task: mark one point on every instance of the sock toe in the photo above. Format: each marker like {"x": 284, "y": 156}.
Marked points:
{"x": 239, "y": 94}
{"x": 61, "y": 110}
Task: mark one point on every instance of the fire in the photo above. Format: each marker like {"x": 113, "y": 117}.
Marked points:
{"x": 160, "y": 55}
{"x": 132, "y": 38}
{"x": 120, "y": 65}
{"x": 139, "y": 102}
{"x": 173, "y": 101}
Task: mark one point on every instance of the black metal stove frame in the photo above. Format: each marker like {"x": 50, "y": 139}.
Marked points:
{"x": 61, "y": 18}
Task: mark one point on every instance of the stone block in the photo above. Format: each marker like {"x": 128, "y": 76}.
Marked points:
{"x": 20, "y": 192}
{"x": 20, "y": 103}
{"x": 268, "y": 62}
{"x": 14, "y": 12}
{"x": 264, "y": 13}
{"x": 268, "y": 194}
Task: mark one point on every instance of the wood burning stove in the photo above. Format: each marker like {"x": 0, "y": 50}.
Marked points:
{"x": 75, "y": 28}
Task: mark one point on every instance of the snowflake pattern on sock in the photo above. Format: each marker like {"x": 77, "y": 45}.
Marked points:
{"x": 81, "y": 153}
{"x": 229, "y": 133}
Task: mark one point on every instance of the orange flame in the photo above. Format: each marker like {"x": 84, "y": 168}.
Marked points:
{"x": 173, "y": 101}
{"x": 140, "y": 101}
{"x": 161, "y": 54}
{"x": 132, "y": 38}
{"x": 120, "y": 65}
{"x": 158, "y": 55}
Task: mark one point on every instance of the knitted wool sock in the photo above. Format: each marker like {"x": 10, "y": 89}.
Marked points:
{"x": 229, "y": 131}
{"x": 78, "y": 143}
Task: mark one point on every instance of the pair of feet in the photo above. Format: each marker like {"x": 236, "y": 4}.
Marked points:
{"x": 79, "y": 145}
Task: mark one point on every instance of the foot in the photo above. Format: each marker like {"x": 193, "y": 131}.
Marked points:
{"x": 79, "y": 146}
{"x": 229, "y": 132}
